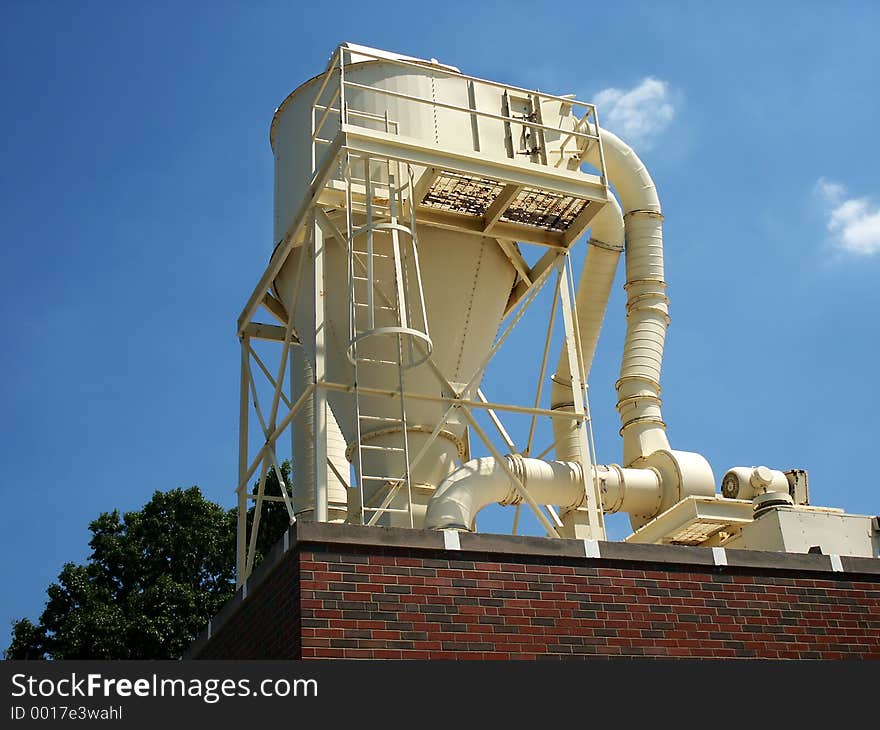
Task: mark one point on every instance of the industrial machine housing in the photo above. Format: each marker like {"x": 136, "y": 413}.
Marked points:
{"x": 408, "y": 199}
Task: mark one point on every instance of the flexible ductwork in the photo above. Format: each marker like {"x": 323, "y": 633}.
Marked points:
{"x": 645, "y": 444}
{"x": 638, "y": 389}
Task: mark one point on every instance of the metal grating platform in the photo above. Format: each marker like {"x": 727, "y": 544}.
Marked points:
{"x": 473, "y": 196}
{"x": 461, "y": 194}
{"x": 549, "y": 211}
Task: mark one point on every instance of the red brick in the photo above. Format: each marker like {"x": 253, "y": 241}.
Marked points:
{"x": 566, "y": 604}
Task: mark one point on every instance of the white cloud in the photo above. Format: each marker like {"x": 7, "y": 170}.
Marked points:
{"x": 854, "y": 223}
{"x": 639, "y": 114}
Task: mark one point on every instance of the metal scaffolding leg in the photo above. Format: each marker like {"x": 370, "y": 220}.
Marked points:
{"x": 320, "y": 372}
{"x": 243, "y": 412}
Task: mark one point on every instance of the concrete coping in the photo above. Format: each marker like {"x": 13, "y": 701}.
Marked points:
{"x": 837, "y": 567}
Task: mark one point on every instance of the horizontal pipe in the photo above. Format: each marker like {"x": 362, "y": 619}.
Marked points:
{"x": 485, "y": 481}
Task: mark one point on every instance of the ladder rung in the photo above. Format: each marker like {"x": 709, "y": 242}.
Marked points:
{"x": 375, "y": 255}
{"x": 377, "y": 362}
{"x": 384, "y": 308}
{"x": 378, "y": 283}
{"x": 381, "y": 448}
{"x": 381, "y": 479}
{"x": 396, "y": 510}
{"x": 386, "y": 419}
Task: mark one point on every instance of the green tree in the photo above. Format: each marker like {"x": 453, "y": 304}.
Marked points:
{"x": 153, "y": 580}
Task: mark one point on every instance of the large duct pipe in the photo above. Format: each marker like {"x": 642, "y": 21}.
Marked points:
{"x": 645, "y": 444}
{"x": 638, "y": 389}
{"x": 594, "y": 288}
{"x": 660, "y": 477}
{"x": 481, "y": 482}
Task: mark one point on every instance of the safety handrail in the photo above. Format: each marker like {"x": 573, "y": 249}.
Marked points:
{"x": 587, "y": 122}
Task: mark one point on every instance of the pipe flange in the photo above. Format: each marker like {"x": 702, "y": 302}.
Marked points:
{"x": 585, "y": 498}
{"x": 616, "y": 248}
{"x": 643, "y": 419}
{"x": 603, "y": 486}
{"x": 643, "y": 378}
{"x": 633, "y": 299}
{"x": 517, "y": 466}
{"x": 636, "y": 282}
{"x": 638, "y": 397}
{"x": 646, "y": 213}
{"x": 560, "y": 381}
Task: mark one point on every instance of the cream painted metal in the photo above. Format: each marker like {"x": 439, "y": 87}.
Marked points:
{"x": 740, "y": 524}
{"x": 485, "y": 481}
{"x": 303, "y": 476}
{"x": 696, "y": 520}
{"x": 744, "y": 482}
{"x": 411, "y": 194}
{"x": 404, "y": 191}
{"x": 669, "y": 475}
{"x": 800, "y": 529}
{"x": 645, "y": 444}
{"x": 395, "y": 101}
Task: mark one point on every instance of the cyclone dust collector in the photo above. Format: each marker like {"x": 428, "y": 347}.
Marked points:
{"x": 406, "y": 193}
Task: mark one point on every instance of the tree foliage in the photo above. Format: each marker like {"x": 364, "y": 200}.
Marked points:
{"x": 154, "y": 578}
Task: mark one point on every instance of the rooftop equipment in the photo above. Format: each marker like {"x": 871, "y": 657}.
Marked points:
{"x": 405, "y": 193}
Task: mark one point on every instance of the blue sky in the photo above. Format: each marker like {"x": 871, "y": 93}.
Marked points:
{"x": 136, "y": 208}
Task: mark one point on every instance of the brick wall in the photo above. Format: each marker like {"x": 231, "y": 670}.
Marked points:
{"x": 265, "y": 623}
{"x": 352, "y": 592}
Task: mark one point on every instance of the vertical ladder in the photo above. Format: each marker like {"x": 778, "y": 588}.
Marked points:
{"x": 384, "y": 325}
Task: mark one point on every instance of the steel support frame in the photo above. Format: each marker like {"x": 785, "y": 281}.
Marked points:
{"x": 271, "y": 427}
{"x": 312, "y": 223}
{"x": 464, "y": 401}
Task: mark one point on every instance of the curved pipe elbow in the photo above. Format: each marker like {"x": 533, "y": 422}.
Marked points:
{"x": 484, "y": 481}
{"x": 628, "y": 174}
{"x": 474, "y": 485}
